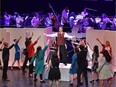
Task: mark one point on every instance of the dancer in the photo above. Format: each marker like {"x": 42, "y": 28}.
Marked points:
{"x": 17, "y": 53}
{"x": 5, "y": 58}
{"x": 105, "y": 72}
{"x": 30, "y": 50}
{"x": 54, "y": 71}
{"x": 74, "y": 67}
{"x": 61, "y": 43}
{"x": 94, "y": 62}
{"x": 1, "y": 46}
{"x": 52, "y": 50}
{"x": 25, "y": 52}
{"x": 82, "y": 65}
{"x": 39, "y": 62}
{"x": 105, "y": 46}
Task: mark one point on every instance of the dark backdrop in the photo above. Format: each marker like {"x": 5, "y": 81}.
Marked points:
{"x": 27, "y": 6}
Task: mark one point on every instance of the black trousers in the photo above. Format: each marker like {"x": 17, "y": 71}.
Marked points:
{"x": 30, "y": 66}
{"x": 84, "y": 71}
{"x": 5, "y": 68}
{"x": 25, "y": 63}
{"x": 63, "y": 54}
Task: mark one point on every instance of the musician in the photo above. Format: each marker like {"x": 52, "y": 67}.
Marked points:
{"x": 19, "y": 21}
{"x": 84, "y": 13}
{"x": 105, "y": 22}
{"x": 54, "y": 22}
{"x": 35, "y": 22}
{"x": 65, "y": 14}
{"x": 6, "y": 19}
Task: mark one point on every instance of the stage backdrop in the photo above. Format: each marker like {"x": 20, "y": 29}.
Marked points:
{"x": 103, "y": 35}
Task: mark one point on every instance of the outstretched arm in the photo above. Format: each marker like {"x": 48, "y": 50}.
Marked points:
{"x": 51, "y": 35}
{"x": 99, "y": 41}
{"x": 18, "y": 39}
{"x": 37, "y": 40}
{"x": 68, "y": 36}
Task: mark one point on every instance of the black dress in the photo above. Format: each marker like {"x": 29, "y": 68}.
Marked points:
{"x": 95, "y": 65}
{"x": 54, "y": 73}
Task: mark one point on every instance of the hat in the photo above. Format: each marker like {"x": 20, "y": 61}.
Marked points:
{"x": 14, "y": 39}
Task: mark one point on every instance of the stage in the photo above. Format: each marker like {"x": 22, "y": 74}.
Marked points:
{"x": 17, "y": 79}
{"x": 10, "y": 33}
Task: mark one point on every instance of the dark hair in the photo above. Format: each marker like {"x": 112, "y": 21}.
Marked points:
{"x": 96, "y": 50}
{"x": 81, "y": 47}
{"x": 107, "y": 56}
{"x": 38, "y": 49}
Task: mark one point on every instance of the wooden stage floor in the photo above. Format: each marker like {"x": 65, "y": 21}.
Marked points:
{"x": 17, "y": 79}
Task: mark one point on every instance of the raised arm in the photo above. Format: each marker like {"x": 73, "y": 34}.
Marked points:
{"x": 31, "y": 36}
{"x": 37, "y": 40}
{"x": 99, "y": 41}
{"x": 89, "y": 46}
{"x": 18, "y": 39}
{"x": 1, "y": 43}
{"x": 45, "y": 48}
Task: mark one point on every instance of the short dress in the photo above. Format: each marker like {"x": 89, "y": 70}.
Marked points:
{"x": 74, "y": 66}
{"x": 54, "y": 72}
{"x": 17, "y": 51}
{"x": 105, "y": 71}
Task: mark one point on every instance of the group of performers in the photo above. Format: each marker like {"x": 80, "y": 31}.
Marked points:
{"x": 58, "y": 53}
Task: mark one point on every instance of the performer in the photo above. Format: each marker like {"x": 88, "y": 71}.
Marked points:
{"x": 106, "y": 46}
{"x": 65, "y": 14}
{"x": 17, "y": 53}
{"x": 82, "y": 65}
{"x": 25, "y": 52}
{"x": 95, "y": 56}
{"x": 61, "y": 43}
{"x": 5, "y": 58}
{"x": 74, "y": 67}
{"x": 65, "y": 20}
{"x": 39, "y": 62}
{"x": 30, "y": 50}
{"x": 1, "y": 46}
{"x": 54, "y": 71}
{"x": 84, "y": 13}
{"x": 105, "y": 71}
{"x": 53, "y": 48}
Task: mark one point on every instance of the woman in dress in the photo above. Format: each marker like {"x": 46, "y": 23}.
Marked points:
{"x": 105, "y": 71}
{"x": 17, "y": 53}
{"x": 53, "y": 48}
{"x": 105, "y": 46}
{"x": 95, "y": 56}
{"x": 39, "y": 62}
{"x": 54, "y": 71}
{"x": 74, "y": 68}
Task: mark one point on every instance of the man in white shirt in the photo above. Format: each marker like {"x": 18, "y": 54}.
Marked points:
{"x": 61, "y": 43}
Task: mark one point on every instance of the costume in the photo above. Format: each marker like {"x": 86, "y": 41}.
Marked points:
{"x": 54, "y": 72}
{"x": 74, "y": 64}
{"x": 17, "y": 51}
